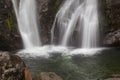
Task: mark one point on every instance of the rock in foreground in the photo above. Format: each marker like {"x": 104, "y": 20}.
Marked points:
{"x": 11, "y": 67}
{"x": 114, "y": 77}
{"x": 47, "y": 76}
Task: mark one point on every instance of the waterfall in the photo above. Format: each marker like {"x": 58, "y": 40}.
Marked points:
{"x": 76, "y": 24}
{"x": 25, "y": 11}
{"x": 79, "y": 16}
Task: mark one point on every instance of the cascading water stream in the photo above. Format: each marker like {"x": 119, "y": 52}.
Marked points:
{"x": 27, "y": 22}
{"x": 80, "y": 16}
{"x": 74, "y": 17}
{"x": 90, "y": 25}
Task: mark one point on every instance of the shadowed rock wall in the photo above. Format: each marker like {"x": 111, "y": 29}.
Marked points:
{"x": 113, "y": 18}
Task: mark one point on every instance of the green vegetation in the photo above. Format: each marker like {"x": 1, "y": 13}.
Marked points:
{"x": 9, "y": 21}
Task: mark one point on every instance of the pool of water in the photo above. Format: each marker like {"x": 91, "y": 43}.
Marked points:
{"x": 77, "y": 66}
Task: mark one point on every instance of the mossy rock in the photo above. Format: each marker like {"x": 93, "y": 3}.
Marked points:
{"x": 11, "y": 67}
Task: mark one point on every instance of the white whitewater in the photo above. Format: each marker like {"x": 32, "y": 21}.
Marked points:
{"x": 80, "y": 16}
{"x": 74, "y": 16}
{"x": 27, "y": 22}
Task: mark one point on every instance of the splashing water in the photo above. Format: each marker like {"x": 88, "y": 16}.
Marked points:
{"x": 27, "y": 22}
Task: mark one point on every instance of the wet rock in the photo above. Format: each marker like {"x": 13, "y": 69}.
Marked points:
{"x": 114, "y": 77}
{"x": 27, "y": 74}
{"x": 111, "y": 31}
{"x": 11, "y": 67}
{"x": 112, "y": 2}
{"x": 47, "y": 10}
{"x": 47, "y": 76}
{"x": 113, "y": 39}
{"x": 113, "y": 14}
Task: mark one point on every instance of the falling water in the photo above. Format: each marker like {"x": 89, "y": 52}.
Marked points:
{"x": 27, "y": 22}
{"x": 90, "y": 25}
{"x": 80, "y": 16}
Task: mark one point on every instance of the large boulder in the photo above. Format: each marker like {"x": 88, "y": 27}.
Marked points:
{"x": 11, "y": 67}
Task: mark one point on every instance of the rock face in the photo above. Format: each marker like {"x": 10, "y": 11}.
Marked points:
{"x": 11, "y": 67}
{"x": 113, "y": 18}
{"x": 47, "y": 10}
{"x": 9, "y": 35}
{"x": 47, "y": 76}
{"x": 113, "y": 14}
{"x": 112, "y": 79}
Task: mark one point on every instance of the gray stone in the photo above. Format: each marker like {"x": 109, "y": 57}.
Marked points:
{"x": 11, "y": 67}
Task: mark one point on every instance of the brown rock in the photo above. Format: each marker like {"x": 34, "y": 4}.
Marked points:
{"x": 47, "y": 76}
{"x": 27, "y": 74}
{"x": 114, "y": 77}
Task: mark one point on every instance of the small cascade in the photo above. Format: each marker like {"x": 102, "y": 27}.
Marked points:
{"x": 80, "y": 16}
{"x": 25, "y": 11}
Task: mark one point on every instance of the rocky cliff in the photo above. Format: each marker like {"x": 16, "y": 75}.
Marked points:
{"x": 112, "y": 13}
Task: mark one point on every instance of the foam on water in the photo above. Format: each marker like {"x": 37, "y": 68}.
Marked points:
{"x": 87, "y": 52}
{"x": 44, "y": 51}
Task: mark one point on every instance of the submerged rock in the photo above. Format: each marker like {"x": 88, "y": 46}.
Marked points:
{"x": 114, "y": 77}
{"x": 11, "y": 67}
{"x": 47, "y": 76}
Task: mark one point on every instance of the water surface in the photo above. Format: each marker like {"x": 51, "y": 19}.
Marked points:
{"x": 78, "y": 67}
